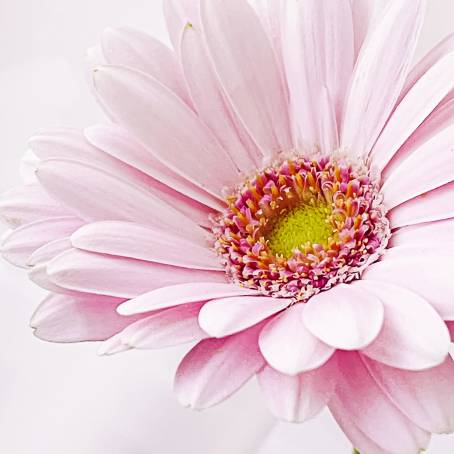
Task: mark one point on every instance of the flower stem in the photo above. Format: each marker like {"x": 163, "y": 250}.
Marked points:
{"x": 355, "y": 451}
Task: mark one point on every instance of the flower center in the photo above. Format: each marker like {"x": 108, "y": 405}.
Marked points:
{"x": 302, "y": 226}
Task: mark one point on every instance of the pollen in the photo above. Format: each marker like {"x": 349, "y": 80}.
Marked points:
{"x": 300, "y": 228}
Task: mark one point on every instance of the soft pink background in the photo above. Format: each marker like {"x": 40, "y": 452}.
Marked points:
{"x": 57, "y": 399}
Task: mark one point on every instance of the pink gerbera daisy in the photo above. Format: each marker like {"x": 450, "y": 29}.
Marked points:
{"x": 278, "y": 189}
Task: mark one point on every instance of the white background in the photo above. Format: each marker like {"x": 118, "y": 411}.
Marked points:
{"x": 57, "y": 399}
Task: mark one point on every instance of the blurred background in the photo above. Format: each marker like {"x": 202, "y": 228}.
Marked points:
{"x": 65, "y": 399}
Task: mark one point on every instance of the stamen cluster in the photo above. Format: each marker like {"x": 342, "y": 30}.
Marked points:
{"x": 340, "y": 209}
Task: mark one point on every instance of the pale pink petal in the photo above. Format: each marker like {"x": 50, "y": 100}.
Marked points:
{"x": 226, "y": 316}
{"x": 72, "y": 144}
{"x": 441, "y": 118}
{"x": 355, "y": 435}
{"x": 216, "y": 368}
{"x": 120, "y": 277}
{"x": 369, "y": 416}
{"x": 270, "y": 13}
{"x": 113, "y": 346}
{"x": 38, "y": 275}
{"x": 414, "y": 108}
{"x": 28, "y": 203}
{"x": 149, "y": 110}
{"x": 344, "y": 317}
{"x": 380, "y": 73}
{"x": 177, "y": 14}
{"x": 427, "y": 168}
{"x": 430, "y": 250}
{"x": 175, "y": 295}
{"x": 289, "y": 347}
{"x": 364, "y": 14}
{"x": 127, "y": 239}
{"x": 28, "y": 165}
{"x": 431, "y": 278}
{"x": 22, "y": 242}
{"x": 174, "y": 326}
{"x": 120, "y": 144}
{"x": 66, "y": 143}
{"x": 413, "y": 335}
{"x": 111, "y": 196}
{"x": 443, "y": 48}
{"x": 435, "y": 205}
{"x": 318, "y": 49}
{"x": 210, "y": 102}
{"x": 138, "y": 50}
{"x": 248, "y": 70}
{"x": 62, "y": 318}
{"x": 328, "y": 130}
{"x": 436, "y": 233}
{"x": 426, "y": 397}
{"x": 301, "y": 397}
{"x": 49, "y": 251}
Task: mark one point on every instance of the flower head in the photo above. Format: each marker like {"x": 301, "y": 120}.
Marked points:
{"x": 278, "y": 188}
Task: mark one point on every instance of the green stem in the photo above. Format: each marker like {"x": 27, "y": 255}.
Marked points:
{"x": 355, "y": 451}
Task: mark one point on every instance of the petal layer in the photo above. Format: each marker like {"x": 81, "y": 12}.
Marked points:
{"x": 344, "y": 317}
{"x": 289, "y": 347}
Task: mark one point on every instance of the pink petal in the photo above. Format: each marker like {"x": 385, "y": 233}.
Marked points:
{"x": 28, "y": 203}
{"x": 364, "y": 14}
{"x": 210, "y": 102}
{"x": 140, "y": 51}
{"x": 301, "y": 397}
{"x": 215, "y": 368}
{"x": 22, "y": 242}
{"x": 270, "y": 14}
{"x": 248, "y": 70}
{"x": 72, "y": 144}
{"x": 111, "y": 196}
{"x": 226, "y": 316}
{"x": 432, "y": 206}
{"x": 318, "y": 45}
{"x": 166, "y": 328}
{"x": 427, "y": 397}
{"x": 62, "y": 318}
{"x": 120, "y": 277}
{"x": 450, "y": 326}
{"x": 113, "y": 346}
{"x": 49, "y": 251}
{"x": 28, "y": 165}
{"x": 120, "y": 144}
{"x": 289, "y": 347}
{"x": 328, "y": 131}
{"x": 443, "y": 48}
{"x": 38, "y": 275}
{"x": 436, "y": 233}
{"x": 62, "y": 143}
{"x": 440, "y": 119}
{"x": 344, "y": 317}
{"x": 427, "y": 168}
{"x": 368, "y": 415}
{"x": 413, "y": 335}
{"x": 431, "y": 278}
{"x": 175, "y": 295}
{"x": 127, "y": 239}
{"x": 419, "y": 251}
{"x": 414, "y": 108}
{"x": 150, "y": 111}
{"x": 177, "y": 14}
{"x": 380, "y": 73}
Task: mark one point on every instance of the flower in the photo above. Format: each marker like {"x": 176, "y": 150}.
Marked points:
{"x": 277, "y": 189}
